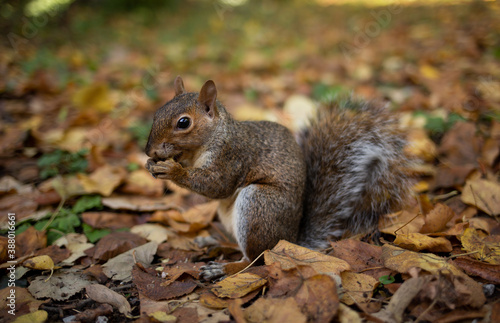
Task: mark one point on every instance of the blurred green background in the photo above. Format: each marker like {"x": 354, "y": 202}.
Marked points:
{"x": 92, "y": 64}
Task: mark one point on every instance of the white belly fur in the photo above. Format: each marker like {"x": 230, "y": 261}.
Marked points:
{"x": 228, "y": 213}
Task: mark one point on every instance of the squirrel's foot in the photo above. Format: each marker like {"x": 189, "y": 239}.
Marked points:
{"x": 163, "y": 169}
{"x": 212, "y": 271}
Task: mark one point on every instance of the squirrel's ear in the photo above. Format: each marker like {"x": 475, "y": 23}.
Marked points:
{"x": 208, "y": 95}
{"x": 179, "y": 86}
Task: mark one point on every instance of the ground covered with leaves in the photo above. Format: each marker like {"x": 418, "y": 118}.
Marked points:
{"x": 91, "y": 233}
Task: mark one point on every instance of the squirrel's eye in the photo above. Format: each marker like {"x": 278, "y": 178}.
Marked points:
{"x": 183, "y": 123}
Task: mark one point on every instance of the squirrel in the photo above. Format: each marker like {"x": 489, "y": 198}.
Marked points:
{"x": 336, "y": 179}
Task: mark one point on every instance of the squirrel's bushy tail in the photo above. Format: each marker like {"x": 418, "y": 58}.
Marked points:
{"x": 356, "y": 171}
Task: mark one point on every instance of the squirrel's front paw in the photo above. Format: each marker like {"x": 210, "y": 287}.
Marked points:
{"x": 212, "y": 270}
{"x": 164, "y": 169}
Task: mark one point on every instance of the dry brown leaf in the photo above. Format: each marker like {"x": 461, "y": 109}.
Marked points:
{"x": 94, "y": 97}
{"x": 348, "y": 315}
{"x": 360, "y": 255}
{"x": 103, "y": 180}
{"x": 318, "y": 299}
{"x": 418, "y": 242}
{"x": 111, "y": 220}
{"x": 114, "y": 244}
{"x": 484, "y": 194}
{"x": 358, "y": 288}
{"x": 209, "y": 300}
{"x": 141, "y": 182}
{"x": 141, "y": 203}
{"x": 29, "y": 241}
{"x": 402, "y": 222}
{"x": 39, "y": 316}
{"x": 275, "y": 310}
{"x": 23, "y": 302}
{"x": 151, "y": 232}
{"x": 402, "y": 260}
{"x": 487, "y": 224}
{"x": 61, "y": 286}
{"x": 149, "y": 284}
{"x": 120, "y": 267}
{"x": 481, "y": 269}
{"x": 420, "y": 145}
{"x": 290, "y": 255}
{"x": 103, "y": 294}
{"x": 194, "y": 219}
{"x": 238, "y": 285}
{"x": 437, "y": 219}
{"x": 485, "y": 248}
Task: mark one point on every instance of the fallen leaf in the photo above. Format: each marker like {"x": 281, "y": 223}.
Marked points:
{"x": 238, "y": 285}
{"x": 111, "y": 220}
{"x": 402, "y": 260}
{"x": 142, "y": 183}
{"x": 290, "y": 255}
{"x": 103, "y": 180}
{"x": 140, "y": 203}
{"x": 61, "y": 286}
{"x": 209, "y": 300}
{"x": 420, "y": 145}
{"x": 318, "y": 299}
{"x": 152, "y": 286}
{"x": 275, "y": 310}
{"x": 151, "y": 232}
{"x": 484, "y": 194}
{"x": 358, "y": 288}
{"x": 477, "y": 268}
{"x": 76, "y": 243}
{"x": 480, "y": 246}
{"x": 194, "y": 219}
{"x": 437, "y": 219}
{"x": 418, "y": 242}
{"x": 29, "y": 241}
{"x": 94, "y": 96}
{"x": 403, "y": 222}
{"x": 21, "y": 300}
{"x": 55, "y": 252}
{"x": 120, "y": 267}
{"x": 34, "y": 317}
{"x": 115, "y": 244}
{"x": 40, "y": 263}
{"x": 103, "y": 294}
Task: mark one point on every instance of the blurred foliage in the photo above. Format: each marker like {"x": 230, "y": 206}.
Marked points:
{"x": 62, "y": 162}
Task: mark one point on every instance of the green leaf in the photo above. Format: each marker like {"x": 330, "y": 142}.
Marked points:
{"x": 387, "y": 279}
{"x": 87, "y": 202}
{"x": 133, "y": 167}
{"x": 62, "y": 162}
{"x": 94, "y": 234}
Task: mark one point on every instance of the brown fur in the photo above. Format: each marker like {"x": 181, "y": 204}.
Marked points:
{"x": 352, "y": 160}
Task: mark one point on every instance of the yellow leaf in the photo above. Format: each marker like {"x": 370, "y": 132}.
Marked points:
{"x": 474, "y": 241}
{"x": 418, "y": 241}
{"x": 358, "y": 287}
{"x": 94, "y": 97}
{"x": 275, "y": 310}
{"x": 163, "y": 317}
{"x": 40, "y": 263}
{"x": 484, "y": 194}
{"x": 429, "y": 72}
{"x": 238, "y": 285}
{"x": 35, "y": 317}
{"x": 103, "y": 180}
{"x": 290, "y": 255}
{"x": 402, "y": 260}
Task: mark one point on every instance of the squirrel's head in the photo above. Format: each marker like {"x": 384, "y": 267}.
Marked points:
{"x": 183, "y": 125}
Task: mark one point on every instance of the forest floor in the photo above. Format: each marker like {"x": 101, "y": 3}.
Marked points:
{"x": 96, "y": 235}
